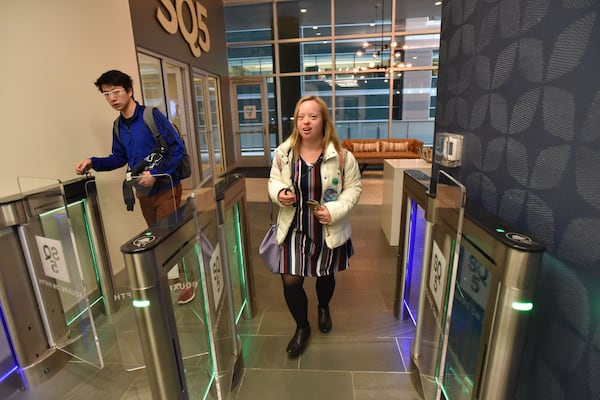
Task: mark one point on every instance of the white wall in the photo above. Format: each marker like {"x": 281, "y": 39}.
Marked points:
{"x": 52, "y": 115}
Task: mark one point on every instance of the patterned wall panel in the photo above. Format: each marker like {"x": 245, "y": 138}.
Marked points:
{"x": 519, "y": 79}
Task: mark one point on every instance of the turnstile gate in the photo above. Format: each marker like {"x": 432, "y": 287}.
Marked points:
{"x": 55, "y": 279}
{"x": 475, "y": 295}
{"x": 190, "y": 351}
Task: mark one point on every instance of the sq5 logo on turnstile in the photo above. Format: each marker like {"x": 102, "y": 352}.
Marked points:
{"x": 437, "y": 274}
{"x": 53, "y": 258}
{"x": 216, "y": 269}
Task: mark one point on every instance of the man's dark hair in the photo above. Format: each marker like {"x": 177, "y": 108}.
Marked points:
{"x": 114, "y": 78}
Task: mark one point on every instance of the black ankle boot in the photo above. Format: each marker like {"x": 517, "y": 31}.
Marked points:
{"x": 324, "y": 319}
{"x": 296, "y": 345}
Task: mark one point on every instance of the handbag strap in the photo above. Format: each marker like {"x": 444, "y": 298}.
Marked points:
{"x": 271, "y": 221}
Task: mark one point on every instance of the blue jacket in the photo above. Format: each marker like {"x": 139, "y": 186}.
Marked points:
{"x": 137, "y": 142}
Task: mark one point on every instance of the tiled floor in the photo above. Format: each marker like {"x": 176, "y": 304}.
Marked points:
{"x": 365, "y": 356}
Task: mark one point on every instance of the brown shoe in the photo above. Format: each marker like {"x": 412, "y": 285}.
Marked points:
{"x": 186, "y": 295}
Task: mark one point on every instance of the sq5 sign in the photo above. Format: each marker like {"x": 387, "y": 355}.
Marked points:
{"x": 188, "y": 17}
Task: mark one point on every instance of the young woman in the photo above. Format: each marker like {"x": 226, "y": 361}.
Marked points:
{"x": 316, "y": 184}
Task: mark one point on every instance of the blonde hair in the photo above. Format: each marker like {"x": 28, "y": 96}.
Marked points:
{"x": 329, "y": 133}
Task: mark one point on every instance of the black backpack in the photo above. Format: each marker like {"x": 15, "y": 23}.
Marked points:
{"x": 184, "y": 169}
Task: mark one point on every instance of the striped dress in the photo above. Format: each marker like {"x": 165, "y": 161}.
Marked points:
{"x": 304, "y": 251}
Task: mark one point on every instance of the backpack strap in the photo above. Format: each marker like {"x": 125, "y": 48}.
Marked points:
{"x": 150, "y": 123}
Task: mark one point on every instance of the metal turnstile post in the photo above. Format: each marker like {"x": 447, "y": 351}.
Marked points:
{"x": 190, "y": 349}
{"x": 470, "y": 334}
{"x": 148, "y": 258}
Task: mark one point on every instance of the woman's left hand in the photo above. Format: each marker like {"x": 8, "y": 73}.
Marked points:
{"x": 322, "y": 214}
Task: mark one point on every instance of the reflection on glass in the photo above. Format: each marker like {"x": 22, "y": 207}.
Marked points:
{"x": 414, "y": 263}
{"x": 316, "y": 56}
{"x": 175, "y": 97}
{"x": 202, "y": 130}
{"x": 241, "y": 28}
{"x": 236, "y": 259}
{"x": 214, "y": 102}
{"x": 191, "y": 321}
{"x": 466, "y": 326}
{"x": 360, "y": 17}
{"x": 250, "y": 60}
{"x": 296, "y": 19}
{"x": 152, "y": 82}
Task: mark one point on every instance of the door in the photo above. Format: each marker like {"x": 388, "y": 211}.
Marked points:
{"x": 165, "y": 86}
{"x": 251, "y": 122}
{"x": 209, "y": 128}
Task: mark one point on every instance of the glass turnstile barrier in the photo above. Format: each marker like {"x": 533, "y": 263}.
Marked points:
{"x": 188, "y": 349}
{"x": 493, "y": 301}
{"x": 231, "y": 192}
{"x": 10, "y": 379}
{"x": 437, "y": 289}
{"x": 476, "y": 296}
{"x": 65, "y": 289}
{"x": 413, "y": 232}
{"x": 119, "y": 197}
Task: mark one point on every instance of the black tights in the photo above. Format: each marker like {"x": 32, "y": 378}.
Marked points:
{"x": 295, "y": 296}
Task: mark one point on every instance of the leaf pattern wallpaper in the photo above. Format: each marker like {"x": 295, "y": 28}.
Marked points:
{"x": 519, "y": 79}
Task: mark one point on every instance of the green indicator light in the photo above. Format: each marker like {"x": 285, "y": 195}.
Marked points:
{"x": 148, "y": 233}
{"x": 141, "y": 303}
{"x": 500, "y": 230}
{"x": 522, "y": 305}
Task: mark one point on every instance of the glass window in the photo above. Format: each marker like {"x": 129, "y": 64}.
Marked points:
{"x": 249, "y": 23}
{"x": 357, "y": 82}
{"x": 214, "y": 103}
{"x": 362, "y": 17}
{"x": 316, "y": 56}
{"x": 202, "y": 129}
{"x": 153, "y": 91}
{"x": 250, "y": 60}
{"x": 296, "y": 18}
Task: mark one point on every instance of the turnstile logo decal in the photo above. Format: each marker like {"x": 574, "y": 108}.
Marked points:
{"x": 474, "y": 278}
{"x": 53, "y": 258}
{"x": 216, "y": 276}
{"x": 144, "y": 241}
{"x": 519, "y": 237}
{"x": 437, "y": 274}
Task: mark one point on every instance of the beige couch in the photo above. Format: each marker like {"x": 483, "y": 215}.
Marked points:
{"x": 374, "y": 151}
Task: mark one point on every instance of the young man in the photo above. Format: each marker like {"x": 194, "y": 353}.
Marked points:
{"x": 136, "y": 146}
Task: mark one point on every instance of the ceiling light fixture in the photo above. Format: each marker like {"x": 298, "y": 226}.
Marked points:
{"x": 382, "y": 53}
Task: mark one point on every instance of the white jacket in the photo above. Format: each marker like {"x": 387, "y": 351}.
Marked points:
{"x": 339, "y": 230}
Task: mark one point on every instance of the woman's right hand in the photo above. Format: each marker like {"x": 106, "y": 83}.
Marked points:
{"x": 287, "y": 197}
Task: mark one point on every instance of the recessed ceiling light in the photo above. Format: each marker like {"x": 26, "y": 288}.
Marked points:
{"x": 303, "y": 10}
{"x": 437, "y": 3}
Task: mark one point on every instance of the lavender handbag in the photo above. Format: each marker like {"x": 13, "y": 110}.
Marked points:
{"x": 269, "y": 248}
